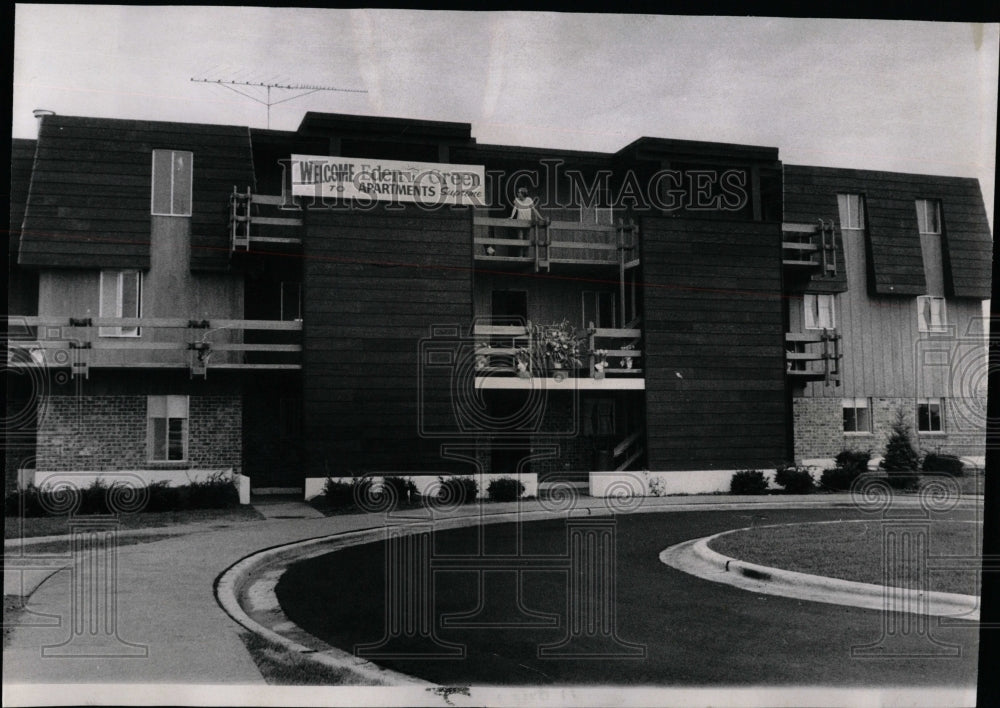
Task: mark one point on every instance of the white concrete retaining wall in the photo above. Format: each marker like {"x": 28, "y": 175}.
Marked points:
{"x": 649, "y": 483}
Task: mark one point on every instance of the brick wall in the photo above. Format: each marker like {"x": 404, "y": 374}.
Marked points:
{"x": 819, "y": 427}
{"x": 109, "y": 433}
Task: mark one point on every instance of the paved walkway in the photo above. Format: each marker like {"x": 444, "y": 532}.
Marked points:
{"x": 164, "y": 622}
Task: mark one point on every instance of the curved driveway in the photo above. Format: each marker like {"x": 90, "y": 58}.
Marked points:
{"x": 164, "y": 604}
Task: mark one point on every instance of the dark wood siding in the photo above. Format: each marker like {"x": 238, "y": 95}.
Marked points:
{"x": 375, "y": 282}
{"x": 806, "y": 203}
{"x": 90, "y": 202}
{"x": 22, "y": 285}
{"x": 715, "y": 388}
{"x": 22, "y": 156}
{"x": 895, "y": 264}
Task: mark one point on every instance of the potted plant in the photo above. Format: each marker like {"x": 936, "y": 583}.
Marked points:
{"x": 600, "y": 363}
{"x": 626, "y": 361}
{"x": 561, "y": 345}
{"x": 522, "y": 363}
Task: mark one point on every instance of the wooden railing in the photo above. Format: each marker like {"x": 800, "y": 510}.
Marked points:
{"x": 810, "y": 246}
{"x": 498, "y": 348}
{"x": 542, "y": 244}
{"x": 80, "y": 344}
{"x": 245, "y": 222}
{"x": 813, "y": 356}
{"x": 619, "y": 347}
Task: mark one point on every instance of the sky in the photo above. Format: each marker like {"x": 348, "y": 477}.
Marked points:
{"x": 873, "y": 94}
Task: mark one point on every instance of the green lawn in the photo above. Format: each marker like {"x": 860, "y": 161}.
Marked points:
{"x": 695, "y": 632}
{"x": 31, "y": 526}
{"x": 854, "y": 551}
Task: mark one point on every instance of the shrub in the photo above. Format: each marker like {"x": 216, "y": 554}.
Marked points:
{"x": 218, "y": 491}
{"x": 748, "y": 482}
{"x": 23, "y": 501}
{"x": 901, "y": 460}
{"x": 795, "y": 480}
{"x": 338, "y": 493}
{"x": 838, "y": 479}
{"x": 163, "y": 497}
{"x": 405, "y": 491}
{"x": 505, "y": 489}
{"x": 458, "y": 490}
{"x": 947, "y": 464}
{"x": 852, "y": 460}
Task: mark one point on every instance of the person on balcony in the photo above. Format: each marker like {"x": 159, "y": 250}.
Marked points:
{"x": 526, "y": 209}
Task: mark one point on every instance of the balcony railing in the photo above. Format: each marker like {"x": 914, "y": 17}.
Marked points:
{"x": 498, "y": 348}
{"x": 253, "y": 220}
{"x": 810, "y": 247}
{"x": 79, "y": 344}
{"x": 813, "y": 356}
{"x": 568, "y": 242}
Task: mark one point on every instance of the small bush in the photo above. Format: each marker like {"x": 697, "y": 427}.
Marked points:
{"x": 458, "y": 490}
{"x": 338, "y": 493}
{"x": 218, "y": 491}
{"x": 748, "y": 482}
{"x": 404, "y": 489}
{"x": 163, "y": 497}
{"x": 505, "y": 489}
{"x": 795, "y": 480}
{"x": 946, "y": 464}
{"x": 852, "y": 460}
{"x": 23, "y": 501}
{"x": 839, "y": 479}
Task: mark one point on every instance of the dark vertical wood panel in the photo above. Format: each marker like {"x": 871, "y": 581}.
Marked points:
{"x": 710, "y": 329}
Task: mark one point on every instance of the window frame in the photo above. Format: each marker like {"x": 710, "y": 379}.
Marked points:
{"x": 848, "y": 198}
{"x": 923, "y": 325}
{"x": 847, "y": 404}
{"x": 167, "y": 400}
{"x": 932, "y": 401}
{"x": 922, "y": 214}
{"x": 808, "y": 318}
{"x": 128, "y": 332}
{"x": 597, "y": 308}
{"x": 190, "y": 169}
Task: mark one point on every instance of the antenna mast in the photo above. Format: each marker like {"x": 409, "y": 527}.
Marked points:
{"x": 306, "y": 88}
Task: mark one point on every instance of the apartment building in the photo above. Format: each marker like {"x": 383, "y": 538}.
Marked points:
{"x": 370, "y": 295}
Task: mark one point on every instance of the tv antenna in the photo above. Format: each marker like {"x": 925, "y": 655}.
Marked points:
{"x": 307, "y": 89}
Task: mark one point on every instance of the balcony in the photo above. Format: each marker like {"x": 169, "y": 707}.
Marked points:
{"x": 512, "y": 357}
{"x": 515, "y": 244}
{"x": 809, "y": 247}
{"x": 79, "y": 344}
{"x": 254, "y": 221}
{"x": 813, "y": 356}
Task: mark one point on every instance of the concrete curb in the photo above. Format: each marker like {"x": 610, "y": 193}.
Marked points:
{"x": 695, "y": 557}
{"x": 242, "y": 580}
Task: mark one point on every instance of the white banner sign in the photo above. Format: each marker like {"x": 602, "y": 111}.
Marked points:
{"x": 367, "y": 180}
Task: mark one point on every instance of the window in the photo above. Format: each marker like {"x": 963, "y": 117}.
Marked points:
{"x": 819, "y": 311}
{"x": 598, "y": 308}
{"x": 931, "y": 314}
{"x": 852, "y": 211}
{"x": 172, "y": 182}
{"x": 121, "y": 296}
{"x": 857, "y": 418}
{"x": 167, "y": 434}
{"x": 929, "y": 216}
{"x": 291, "y": 301}
{"x": 929, "y": 415}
